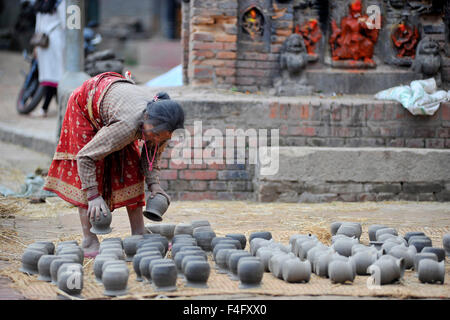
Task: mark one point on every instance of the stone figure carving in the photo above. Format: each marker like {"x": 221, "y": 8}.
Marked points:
{"x": 428, "y": 60}
{"x": 311, "y": 35}
{"x": 355, "y": 39}
{"x": 253, "y": 23}
{"x": 405, "y": 39}
{"x": 293, "y": 61}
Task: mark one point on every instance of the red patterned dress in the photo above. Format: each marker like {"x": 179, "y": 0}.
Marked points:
{"x": 98, "y": 146}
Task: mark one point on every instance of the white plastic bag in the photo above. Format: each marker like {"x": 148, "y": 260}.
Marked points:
{"x": 420, "y": 97}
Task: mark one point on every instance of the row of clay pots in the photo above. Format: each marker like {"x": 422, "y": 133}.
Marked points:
{"x": 349, "y": 229}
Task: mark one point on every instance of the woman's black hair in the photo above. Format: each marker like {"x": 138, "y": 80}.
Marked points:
{"x": 164, "y": 114}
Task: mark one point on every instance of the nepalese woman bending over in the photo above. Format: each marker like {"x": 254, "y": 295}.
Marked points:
{"x": 97, "y": 163}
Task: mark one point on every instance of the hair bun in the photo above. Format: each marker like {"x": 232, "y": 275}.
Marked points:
{"x": 161, "y": 96}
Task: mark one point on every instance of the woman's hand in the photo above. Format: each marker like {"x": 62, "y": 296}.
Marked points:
{"x": 156, "y": 188}
{"x": 96, "y": 207}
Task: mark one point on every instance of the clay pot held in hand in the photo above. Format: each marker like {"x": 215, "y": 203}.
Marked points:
{"x": 44, "y": 267}
{"x": 164, "y": 277}
{"x": 250, "y": 273}
{"x": 183, "y": 228}
{"x": 421, "y": 256}
{"x": 197, "y": 274}
{"x": 156, "y": 207}
{"x": 431, "y": 271}
{"x": 446, "y": 243}
{"x": 373, "y": 230}
{"x": 98, "y": 265}
{"x": 240, "y": 237}
{"x": 295, "y": 270}
{"x": 341, "y": 271}
{"x": 115, "y": 280}
{"x": 30, "y": 259}
{"x": 439, "y": 252}
{"x": 101, "y": 225}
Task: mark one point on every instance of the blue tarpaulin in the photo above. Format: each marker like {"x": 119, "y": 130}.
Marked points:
{"x": 172, "y": 78}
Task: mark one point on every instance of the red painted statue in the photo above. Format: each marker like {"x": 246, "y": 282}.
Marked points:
{"x": 355, "y": 39}
{"x": 311, "y": 35}
{"x": 405, "y": 40}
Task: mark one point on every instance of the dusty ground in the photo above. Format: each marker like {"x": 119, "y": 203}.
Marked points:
{"x": 56, "y": 220}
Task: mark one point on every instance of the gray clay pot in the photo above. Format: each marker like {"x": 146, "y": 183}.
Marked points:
{"x": 164, "y": 277}
{"x": 50, "y": 246}
{"x": 420, "y": 242}
{"x": 373, "y": 230}
{"x": 363, "y": 260}
{"x": 413, "y": 234}
{"x": 446, "y": 243}
{"x": 156, "y": 207}
{"x": 117, "y": 251}
{"x": 30, "y": 259}
{"x": 431, "y": 271}
{"x": 344, "y": 246}
{"x": 71, "y": 267}
{"x": 154, "y": 262}
{"x": 221, "y": 246}
{"x": 115, "y": 280}
{"x": 216, "y": 240}
{"x": 167, "y": 230}
{"x": 387, "y": 270}
{"x": 98, "y": 264}
{"x": 250, "y": 273}
{"x": 186, "y": 259}
{"x": 116, "y": 263}
{"x": 113, "y": 240}
{"x": 295, "y": 270}
{"x": 299, "y": 240}
{"x": 54, "y": 267}
{"x": 200, "y": 223}
{"x": 158, "y": 246}
{"x": 277, "y": 261}
{"x": 59, "y": 248}
{"x": 68, "y": 242}
{"x": 202, "y": 229}
{"x": 183, "y": 228}
{"x": 258, "y": 243}
{"x": 261, "y": 234}
{"x": 376, "y": 244}
{"x": 323, "y": 259}
{"x": 340, "y": 271}
{"x": 264, "y": 255}
{"x": 181, "y": 254}
{"x": 420, "y": 256}
{"x": 44, "y": 267}
{"x": 204, "y": 239}
{"x": 130, "y": 246}
{"x": 110, "y": 245}
{"x": 197, "y": 274}
{"x": 334, "y": 227}
{"x": 137, "y": 260}
{"x": 102, "y": 225}
{"x": 407, "y": 253}
{"x": 221, "y": 260}
{"x": 73, "y": 250}
{"x": 439, "y": 252}
{"x": 385, "y": 231}
{"x": 233, "y": 261}
{"x": 40, "y": 247}
{"x": 71, "y": 282}
{"x": 73, "y": 257}
{"x": 158, "y": 239}
{"x": 235, "y": 242}
{"x": 152, "y": 228}
{"x": 240, "y": 237}
{"x": 312, "y": 253}
{"x": 293, "y": 239}
{"x": 350, "y": 230}
{"x": 144, "y": 266}
{"x": 180, "y": 245}
{"x": 181, "y": 236}
{"x": 305, "y": 246}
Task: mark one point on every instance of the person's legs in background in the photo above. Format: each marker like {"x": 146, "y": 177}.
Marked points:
{"x": 49, "y": 93}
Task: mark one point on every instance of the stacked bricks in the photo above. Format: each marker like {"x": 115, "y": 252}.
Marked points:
{"x": 212, "y": 43}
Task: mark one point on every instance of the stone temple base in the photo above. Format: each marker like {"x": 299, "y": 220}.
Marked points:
{"x": 351, "y": 81}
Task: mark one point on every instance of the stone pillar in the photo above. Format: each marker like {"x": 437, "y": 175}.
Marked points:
{"x": 74, "y": 74}
{"x": 186, "y": 17}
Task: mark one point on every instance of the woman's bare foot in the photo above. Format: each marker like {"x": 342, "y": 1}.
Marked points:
{"x": 90, "y": 246}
